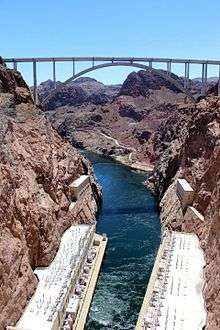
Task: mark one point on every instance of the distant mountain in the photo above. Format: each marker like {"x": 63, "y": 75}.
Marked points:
{"x": 88, "y": 90}
{"x": 75, "y": 93}
{"x": 209, "y": 80}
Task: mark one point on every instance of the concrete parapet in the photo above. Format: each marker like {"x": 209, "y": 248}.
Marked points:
{"x": 90, "y": 288}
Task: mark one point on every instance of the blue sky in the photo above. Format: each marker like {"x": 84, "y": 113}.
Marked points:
{"x": 156, "y": 28}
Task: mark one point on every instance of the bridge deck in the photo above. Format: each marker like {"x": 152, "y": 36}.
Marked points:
{"x": 109, "y": 59}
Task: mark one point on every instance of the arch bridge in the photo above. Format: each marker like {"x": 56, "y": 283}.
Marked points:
{"x": 137, "y": 62}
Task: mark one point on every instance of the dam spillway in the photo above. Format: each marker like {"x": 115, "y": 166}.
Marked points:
{"x": 63, "y": 287}
{"x": 174, "y": 296}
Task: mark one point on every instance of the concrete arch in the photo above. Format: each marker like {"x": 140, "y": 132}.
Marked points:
{"x": 129, "y": 64}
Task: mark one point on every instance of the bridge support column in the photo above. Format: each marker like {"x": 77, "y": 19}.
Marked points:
{"x": 150, "y": 64}
{"x": 204, "y": 78}
{"x": 73, "y": 67}
{"x": 168, "y": 67}
{"x": 15, "y": 65}
{"x": 93, "y": 62}
{"x": 54, "y": 73}
{"x": 186, "y": 78}
{"x": 35, "y": 80}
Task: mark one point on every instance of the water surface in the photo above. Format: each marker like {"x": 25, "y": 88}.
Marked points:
{"x": 129, "y": 216}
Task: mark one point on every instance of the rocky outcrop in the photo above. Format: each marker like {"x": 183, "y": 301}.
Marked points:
{"x": 166, "y": 147}
{"x": 194, "y": 154}
{"x": 139, "y": 83}
{"x": 214, "y": 89}
{"x": 36, "y": 168}
{"x": 129, "y": 110}
{"x": 197, "y": 83}
{"x": 75, "y": 93}
{"x": 65, "y": 95}
{"x": 142, "y": 135}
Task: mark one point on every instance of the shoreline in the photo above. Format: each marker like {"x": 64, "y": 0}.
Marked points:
{"x": 137, "y": 166}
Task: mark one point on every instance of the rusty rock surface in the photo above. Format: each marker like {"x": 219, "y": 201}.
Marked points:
{"x": 196, "y": 149}
{"x": 36, "y": 168}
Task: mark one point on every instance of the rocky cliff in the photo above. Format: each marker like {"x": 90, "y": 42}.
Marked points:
{"x": 36, "y": 168}
{"x": 117, "y": 121}
{"x": 194, "y": 153}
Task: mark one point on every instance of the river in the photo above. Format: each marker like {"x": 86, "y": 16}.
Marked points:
{"x": 129, "y": 216}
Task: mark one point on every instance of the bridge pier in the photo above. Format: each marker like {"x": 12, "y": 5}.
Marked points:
{"x": 169, "y": 67}
{"x": 150, "y": 64}
{"x": 35, "y": 80}
{"x": 204, "y": 78}
{"x": 73, "y": 67}
{"x": 54, "y": 73}
{"x": 186, "y": 78}
{"x": 15, "y": 65}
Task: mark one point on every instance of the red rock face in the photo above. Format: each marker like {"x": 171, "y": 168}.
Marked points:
{"x": 36, "y": 167}
{"x": 140, "y": 83}
{"x": 198, "y": 156}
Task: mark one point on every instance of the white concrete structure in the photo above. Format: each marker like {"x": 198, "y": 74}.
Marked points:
{"x": 79, "y": 186}
{"x": 195, "y": 213}
{"x": 184, "y": 192}
{"x": 174, "y": 297}
{"x": 47, "y": 308}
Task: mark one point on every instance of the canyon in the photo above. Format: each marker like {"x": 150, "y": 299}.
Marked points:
{"x": 156, "y": 124}
{"x": 146, "y": 120}
{"x": 117, "y": 121}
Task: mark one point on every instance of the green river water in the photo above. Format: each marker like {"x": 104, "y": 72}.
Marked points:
{"x": 129, "y": 216}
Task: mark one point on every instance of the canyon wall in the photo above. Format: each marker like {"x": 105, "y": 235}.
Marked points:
{"x": 117, "y": 121}
{"x": 36, "y": 168}
{"x": 193, "y": 153}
